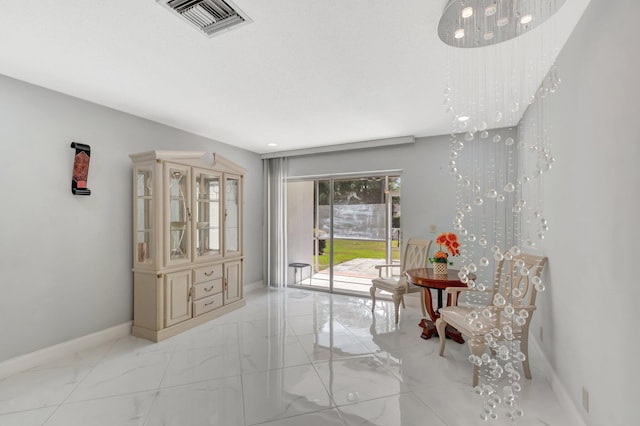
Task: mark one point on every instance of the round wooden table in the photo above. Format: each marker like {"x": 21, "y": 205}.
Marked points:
{"x": 425, "y": 278}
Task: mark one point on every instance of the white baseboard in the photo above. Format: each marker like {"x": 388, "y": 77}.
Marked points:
{"x": 42, "y": 356}
{"x": 556, "y": 385}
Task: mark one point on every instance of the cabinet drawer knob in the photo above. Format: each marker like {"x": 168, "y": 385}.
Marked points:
{"x": 208, "y": 274}
{"x": 208, "y": 289}
{"x": 207, "y": 304}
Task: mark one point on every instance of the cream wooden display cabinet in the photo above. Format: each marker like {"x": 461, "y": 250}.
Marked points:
{"x": 187, "y": 241}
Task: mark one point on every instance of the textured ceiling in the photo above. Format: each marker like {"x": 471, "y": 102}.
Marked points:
{"x": 305, "y": 73}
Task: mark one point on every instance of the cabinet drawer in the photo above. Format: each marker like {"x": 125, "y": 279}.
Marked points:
{"x": 207, "y": 304}
{"x": 207, "y": 273}
{"x": 207, "y": 289}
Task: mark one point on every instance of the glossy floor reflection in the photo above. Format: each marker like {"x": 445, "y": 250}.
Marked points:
{"x": 290, "y": 357}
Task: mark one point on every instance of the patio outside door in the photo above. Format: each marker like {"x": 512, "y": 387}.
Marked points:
{"x": 356, "y": 225}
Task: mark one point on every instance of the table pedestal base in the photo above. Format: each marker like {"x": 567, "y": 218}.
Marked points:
{"x": 429, "y": 330}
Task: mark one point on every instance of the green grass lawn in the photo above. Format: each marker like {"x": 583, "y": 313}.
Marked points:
{"x": 345, "y": 250}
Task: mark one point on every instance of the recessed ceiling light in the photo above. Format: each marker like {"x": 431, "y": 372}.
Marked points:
{"x": 467, "y": 12}
{"x": 463, "y": 118}
{"x": 490, "y": 10}
{"x": 459, "y": 33}
{"x": 502, "y": 21}
{"x": 526, "y": 19}
{"x": 272, "y": 144}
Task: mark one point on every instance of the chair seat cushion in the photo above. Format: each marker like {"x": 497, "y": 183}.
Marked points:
{"x": 455, "y": 316}
{"x": 388, "y": 284}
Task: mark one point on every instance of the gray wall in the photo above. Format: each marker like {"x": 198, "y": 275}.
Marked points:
{"x": 592, "y": 202}
{"x": 65, "y": 260}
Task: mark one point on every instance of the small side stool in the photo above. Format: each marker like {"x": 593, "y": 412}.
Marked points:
{"x": 300, "y": 266}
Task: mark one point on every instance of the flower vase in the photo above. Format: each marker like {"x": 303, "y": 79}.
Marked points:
{"x": 440, "y": 268}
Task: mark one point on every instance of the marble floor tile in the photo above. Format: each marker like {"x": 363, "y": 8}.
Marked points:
{"x": 319, "y": 418}
{"x": 286, "y": 392}
{"x": 39, "y": 388}
{"x": 121, "y": 410}
{"x": 404, "y": 409}
{"x": 358, "y": 379}
{"x": 277, "y": 352}
{"x": 128, "y": 373}
{"x": 202, "y": 364}
{"x": 290, "y": 357}
{"x": 27, "y": 418}
{"x": 213, "y": 403}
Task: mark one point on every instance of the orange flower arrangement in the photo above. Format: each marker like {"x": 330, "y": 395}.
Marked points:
{"x": 450, "y": 241}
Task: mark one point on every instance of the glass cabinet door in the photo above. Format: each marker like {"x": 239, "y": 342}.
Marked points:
{"x": 144, "y": 214}
{"x": 178, "y": 213}
{"x": 208, "y": 203}
{"x": 232, "y": 196}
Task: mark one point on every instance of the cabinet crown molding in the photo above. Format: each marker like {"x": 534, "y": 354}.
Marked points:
{"x": 192, "y": 158}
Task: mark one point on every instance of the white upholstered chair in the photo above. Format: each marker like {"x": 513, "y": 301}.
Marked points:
{"x": 513, "y": 296}
{"x": 415, "y": 255}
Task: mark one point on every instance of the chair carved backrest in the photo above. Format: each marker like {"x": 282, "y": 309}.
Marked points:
{"x": 515, "y": 282}
{"x": 415, "y": 255}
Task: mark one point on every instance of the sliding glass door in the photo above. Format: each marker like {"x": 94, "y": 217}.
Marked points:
{"x": 356, "y": 226}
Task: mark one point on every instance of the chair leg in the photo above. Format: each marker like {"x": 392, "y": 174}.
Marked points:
{"x": 424, "y": 309}
{"x": 441, "y": 326}
{"x": 524, "y": 348}
{"x": 403, "y": 305}
{"x": 477, "y": 347}
{"x": 372, "y": 291}
{"x": 396, "y": 303}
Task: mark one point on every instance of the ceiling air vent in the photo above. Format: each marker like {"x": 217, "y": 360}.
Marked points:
{"x": 209, "y": 16}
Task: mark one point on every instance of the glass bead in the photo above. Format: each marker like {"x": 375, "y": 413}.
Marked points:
{"x": 500, "y": 197}
{"x": 481, "y": 287}
{"x": 473, "y": 267}
{"x": 486, "y": 313}
{"x": 520, "y": 321}
{"x": 509, "y": 141}
{"x": 468, "y": 136}
{"x": 482, "y": 126}
{"x": 466, "y": 183}
{"x": 498, "y": 257}
{"x": 498, "y": 116}
{"x": 540, "y": 287}
{"x": 515, "y": 250}
{"x": 471, "y": 237}
{"x": 484, "y": 261}
{"x": 495, "y": 249}
{"x": 484, "y": 134}
{"x": 509, "y": 187}
{"x": 497, "y": 138}
{"x": 482, "y": 241}
{"x": 508, "y": 310}
{"x": 478, "y": 201}
{"x": 508, "y": 256}
{"x": 492, "y": 193}
{"x": 515, "y": 107}
{"x": 535, "y": 280}
{"x": 516, "y": 292}
{"x": 520, "y": 356}
{"x": 524, "y": 272}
